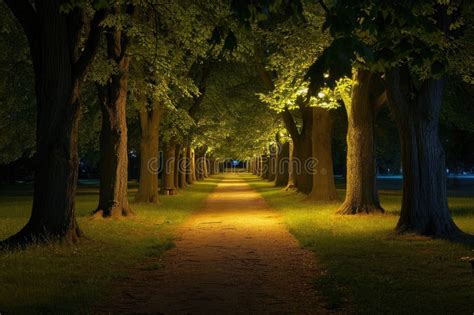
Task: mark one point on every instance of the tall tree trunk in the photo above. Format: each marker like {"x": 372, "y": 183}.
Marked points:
{"x": 53, "y": 213}
{"x": 301, "y": 152}
{"x": 168, "y": 186}
{"x": 182, "y": 168}
{"x": 200, "y": 161}
{"x": 177, "y": 154}
{"x": 303, "y": 163}
{"x": 302, "y": 148}
{"x": 59, "y": 67}
{"x": 205, "y": 166}
{"x": 424, "y": 205}
{"x": 324, "y": 188}
{"x": 190, "y": 166}
{"x": 272, "y": 163}
{"x": 291, "y": 167}
{"x": 113, "y": 197}
{"x": 266, "y": 166}
{"x": 149, "y": 159}
{"x": 282, "y": 161}
{"x": 361, "y": 187}
{"x": 260, "y": 166}
{"x": 213, "y": 165}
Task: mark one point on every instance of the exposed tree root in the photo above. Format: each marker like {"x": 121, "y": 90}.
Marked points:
{"x": 450, "y": 233}
{"x": 168, "y": 191}
{"x": 148, "y": 198}
{"x": 34, "y": 236}
{"x": 351, "y": 209}
{"x": 113, "y": 212}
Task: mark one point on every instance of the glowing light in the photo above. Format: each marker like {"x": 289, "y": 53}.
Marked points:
{"x": 326, "y": 75}
{"x": 321, "y": 95}
{"x": 302, "y": 91}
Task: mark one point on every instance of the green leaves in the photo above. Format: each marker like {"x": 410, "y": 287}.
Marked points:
{"x": 230, "y": 42}
{"x": 335, "y": 62}
{"x": 384, "y": 34}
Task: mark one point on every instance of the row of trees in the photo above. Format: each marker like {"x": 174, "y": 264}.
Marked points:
{"x": 145, "y": 60}
{"x": 369, "y": 55}
{"x": 201, "y": 80}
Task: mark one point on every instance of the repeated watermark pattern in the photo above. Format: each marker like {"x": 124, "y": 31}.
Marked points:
{"x": 263, "y": 165}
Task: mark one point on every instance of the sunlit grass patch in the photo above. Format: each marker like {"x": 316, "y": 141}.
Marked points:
{"x": 65, "y": 279}
{"x": 369, "y": 269}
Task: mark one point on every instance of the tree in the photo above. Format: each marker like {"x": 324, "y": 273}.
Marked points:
{"x": 410, "y": 43}
{"x": 361, "y": 107}
{"x": 232, "y": 113}
{"x": 150, "y": 120}
{"x": 324, "y": 188}
{"x": 113, "y": 196}
{"x": 290, "y": 52}
{"x": 281, "y": 161}
{"x": 55, "y": 28}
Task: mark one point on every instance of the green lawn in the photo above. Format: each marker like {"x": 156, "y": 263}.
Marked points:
{"x": 368, "y": 269}
{"x": 65, "y": 279}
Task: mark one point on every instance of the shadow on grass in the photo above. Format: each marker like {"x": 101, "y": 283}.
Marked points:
{"x": 369, "y": 271}
{"x": 70, "y": 279}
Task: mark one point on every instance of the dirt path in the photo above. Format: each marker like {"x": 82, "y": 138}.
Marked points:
{"x": 233, "y": 256}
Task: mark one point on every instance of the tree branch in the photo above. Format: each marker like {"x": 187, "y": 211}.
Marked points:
{"x": 290, "y": 124}
{"x": 325, "y": 8}
{"x": 206, "y": 71}
{"x": 125, "y": 40}
{"x": 92, "y": 44}
{"x": 265, "y": 77}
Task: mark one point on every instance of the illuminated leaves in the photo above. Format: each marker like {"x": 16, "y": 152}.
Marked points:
{"x": 383, "y": 34}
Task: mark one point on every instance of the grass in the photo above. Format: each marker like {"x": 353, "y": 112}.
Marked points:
{"x": 70, "y": 279}
{"x": 368, "y": 269}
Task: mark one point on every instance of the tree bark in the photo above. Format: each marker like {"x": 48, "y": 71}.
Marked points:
{"x": 361, "y": 187}
{"x": 302, "y": 148}
{"x": 59, "y": 68}
{"x": 213, "y": 166}
{"x": 168, "y": 185}
{"x": 291, "y": 167}
{"x": 200, "y": 162}
{"x": 254, "y": 165}
{"x": 182, "y": 168}
{"x": 190, "y": 166}
{"x": 272, "y": 163}
{"x": 324, "y": 188}
{"x": 113, "y": 197}
{"x": 424, "y": 205}
{"x": 302, "y": 164}
{"x": 205, "y": 162}
{"x": 150, "y": 120}
{"x": 266, "y": 166}
{"x": 281, "y": 164}
{"x": 177, "y": 154}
